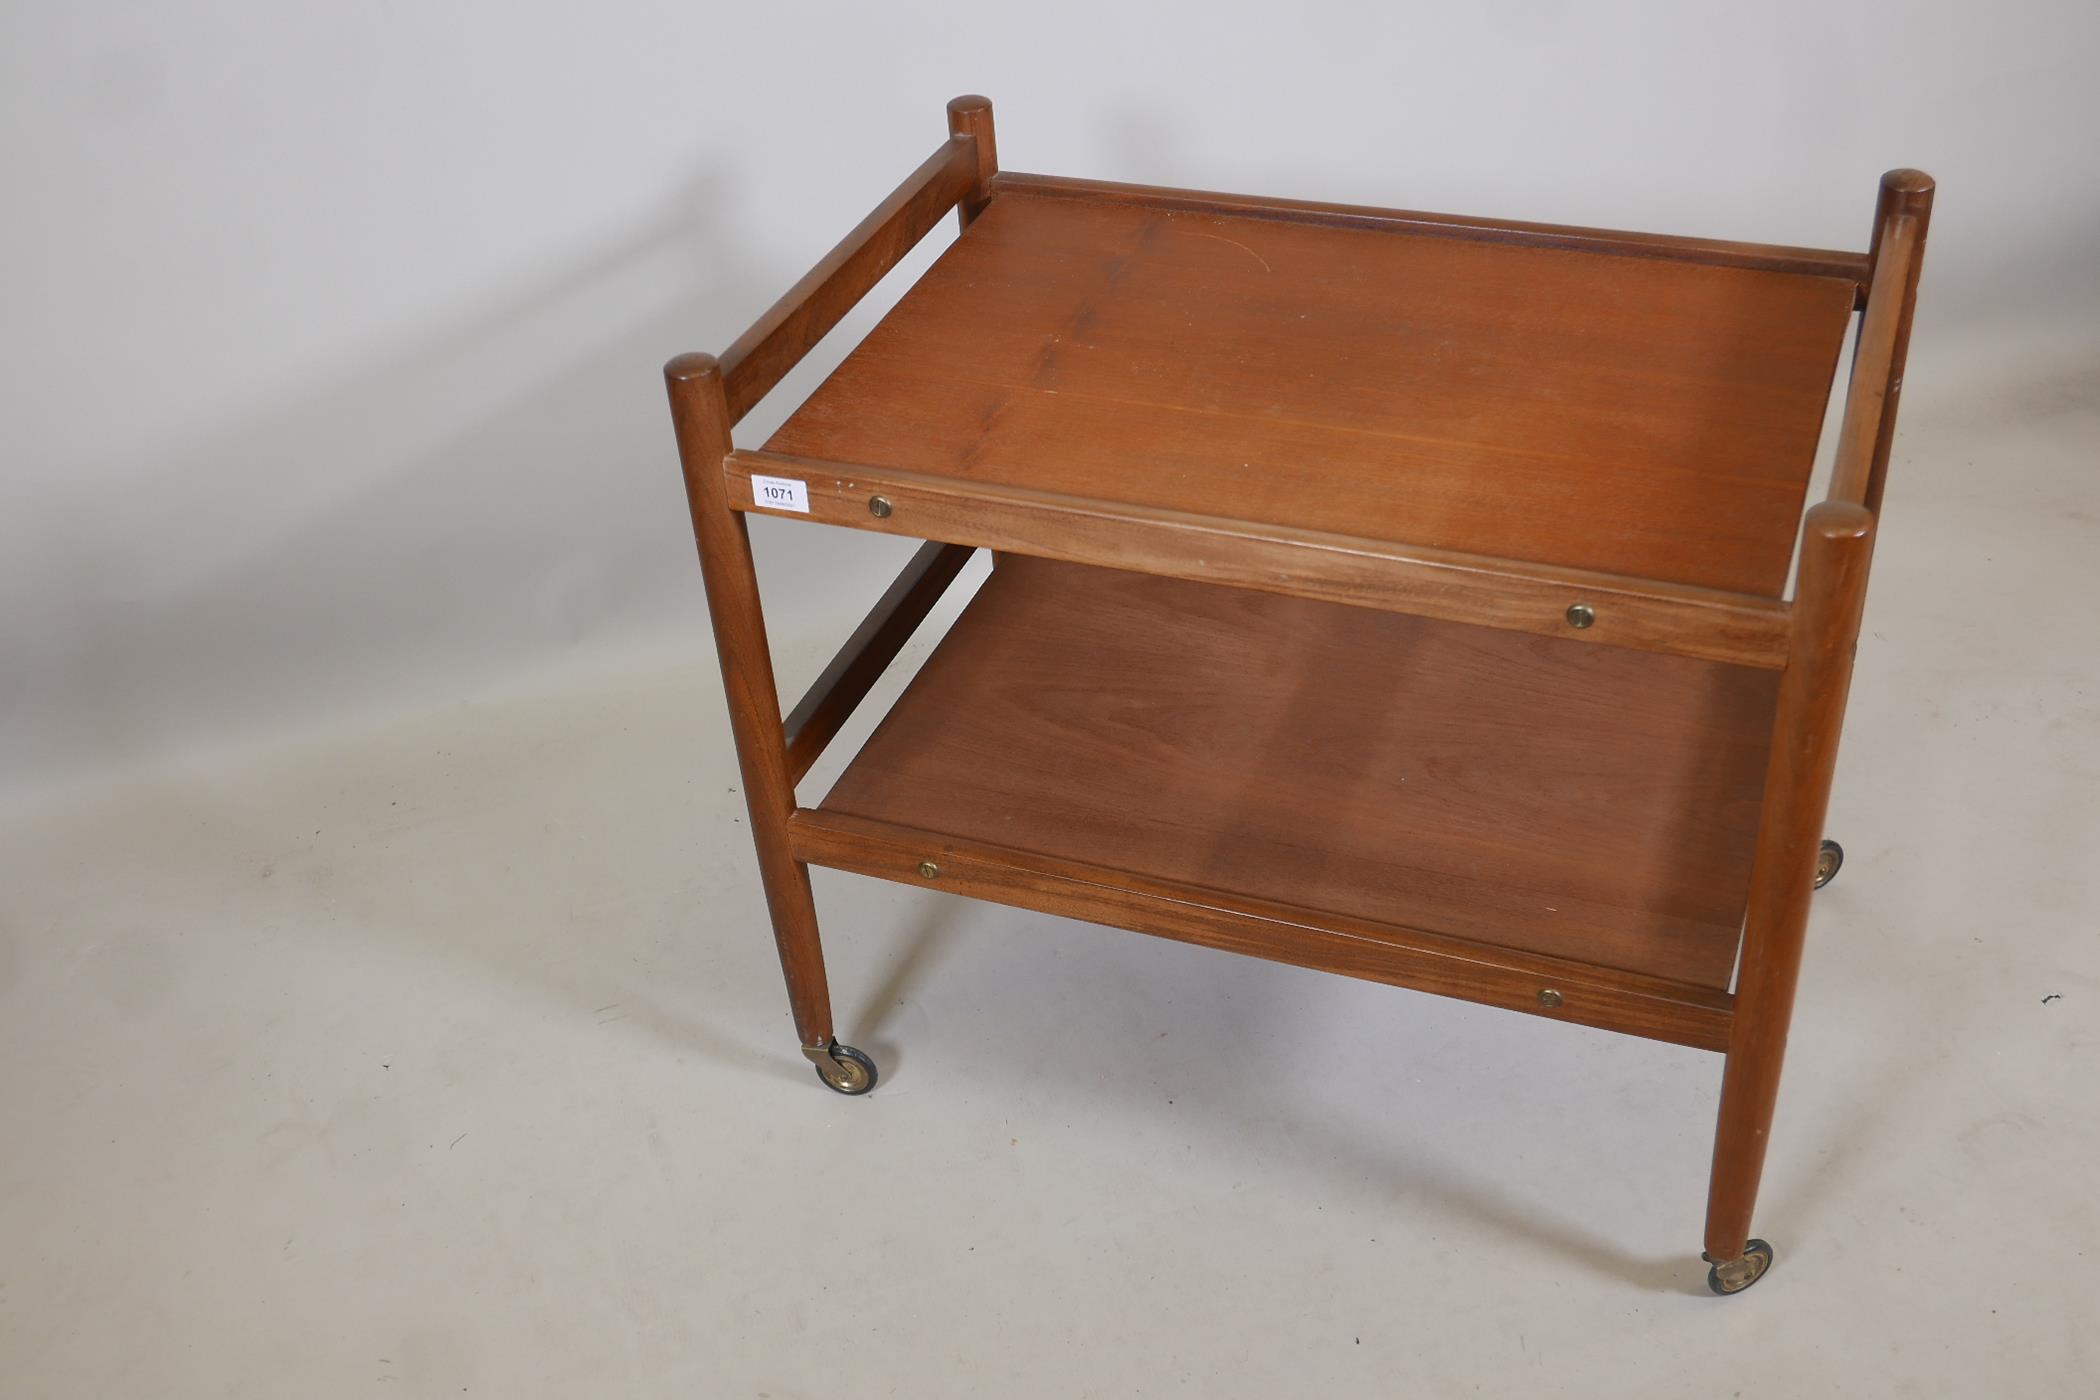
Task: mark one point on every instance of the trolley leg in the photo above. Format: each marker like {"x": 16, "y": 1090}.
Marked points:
{"x": 1837, "y": 540}
{"x": 700, "y": 414}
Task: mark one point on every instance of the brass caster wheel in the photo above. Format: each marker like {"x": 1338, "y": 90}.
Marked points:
{"x": 1829, "y": 861}
{"x": 1738, "y": 1274}
{"x": 843, "y": 1069}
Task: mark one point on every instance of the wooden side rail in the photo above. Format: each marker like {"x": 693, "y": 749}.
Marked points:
{"x": 824, "y": 708}
{"x": 1868, "y": 430}
{"x": 1593, "y": 996}
{"x": 778, "y": 340}
{"x": 1812, "y": 262}
{"x": 708, "y": 396}
{"x": 1607, "y": 608}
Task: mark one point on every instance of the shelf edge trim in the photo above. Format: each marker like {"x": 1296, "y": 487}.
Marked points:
{"x": 1614, "y": 610}
{"x": 1601, "y": 997}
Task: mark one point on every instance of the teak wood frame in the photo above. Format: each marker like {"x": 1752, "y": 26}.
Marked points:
{"x": 1809, "y": 639}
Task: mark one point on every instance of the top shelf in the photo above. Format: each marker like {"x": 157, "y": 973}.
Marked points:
{"x": 1646, "y": 416}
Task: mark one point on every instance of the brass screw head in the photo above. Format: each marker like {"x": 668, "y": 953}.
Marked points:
{"x": 879, "y": 507}
{"x": 1581, "y": 615}
{"x": 1548, "y": 997}
{"x": 929, "y": 870}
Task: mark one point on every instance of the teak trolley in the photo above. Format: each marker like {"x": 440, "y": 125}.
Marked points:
{"x": 1359, "y": 577}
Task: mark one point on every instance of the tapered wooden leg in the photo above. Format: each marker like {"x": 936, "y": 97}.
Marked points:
{"x": 700, "y": 414}
{"x": 1837, "y": 540}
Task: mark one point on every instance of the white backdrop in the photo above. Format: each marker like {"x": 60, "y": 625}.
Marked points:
{"x": 332, "y": 333}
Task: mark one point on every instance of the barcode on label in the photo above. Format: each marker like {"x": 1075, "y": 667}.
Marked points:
{"x": 780, "y": 493}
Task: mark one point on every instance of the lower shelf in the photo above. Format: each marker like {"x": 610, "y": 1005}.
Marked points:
{"x": 1531, "y": 805}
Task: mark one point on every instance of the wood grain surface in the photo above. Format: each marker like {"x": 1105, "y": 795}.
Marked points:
{"x": 1633, "y": 415}
{"x": 1580, "y": 802}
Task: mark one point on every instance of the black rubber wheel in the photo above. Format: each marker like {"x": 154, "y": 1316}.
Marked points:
{"x": 1829, "y": 861}
{"x": 1757, "y": 1255}
{"x": 848, "y": 1071}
